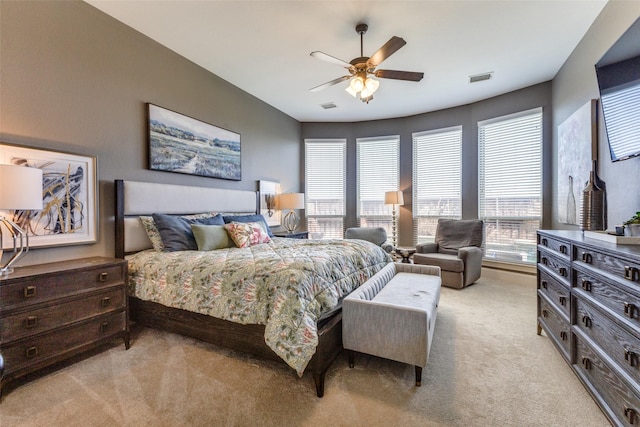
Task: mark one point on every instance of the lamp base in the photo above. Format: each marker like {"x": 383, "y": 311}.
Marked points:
{"x": 19, "y": 250}
{"x": 290, "y": 222}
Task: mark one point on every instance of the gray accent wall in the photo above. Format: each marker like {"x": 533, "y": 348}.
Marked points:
{"x": 466, "y": 116}
{"x": 76, "y": 80}
{"x": 574, "y": 85}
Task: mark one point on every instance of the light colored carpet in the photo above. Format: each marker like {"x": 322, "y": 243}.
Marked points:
{"x": 487, "y": 368}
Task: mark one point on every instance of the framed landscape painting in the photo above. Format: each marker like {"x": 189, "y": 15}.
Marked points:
{"x": 69, "y": 197}
{"x": 178, "y": 143}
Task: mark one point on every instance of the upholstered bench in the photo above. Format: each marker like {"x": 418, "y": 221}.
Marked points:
{"x": 393, "y": 315}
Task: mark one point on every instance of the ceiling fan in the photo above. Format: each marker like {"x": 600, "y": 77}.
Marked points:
{"x": 362, "y": 67}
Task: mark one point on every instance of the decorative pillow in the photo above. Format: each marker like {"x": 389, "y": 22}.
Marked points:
{"x": 152, "y": 231}
{"x": 176, "y": 233}
{"x": 210, "y": 237}
{"x": 246, "y": 234}
{"x": 249, "y": 218}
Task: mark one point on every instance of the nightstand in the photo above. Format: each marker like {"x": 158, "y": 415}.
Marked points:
{"x": 51, "y": 312}
{"x": 294, "y": 235}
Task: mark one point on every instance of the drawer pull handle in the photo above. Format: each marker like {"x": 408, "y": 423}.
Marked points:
{"x": 104, "y": 302}
{"x": 31, "y": 352}
{"x": 587, "y": 321}
{"x": 563, "y": 271}
{"x": 102, "y": 277}
{"x": 563, "y": 249}
{"x": 630, "y": 414}
{"x": 543, "y": 284}
{"x": 587, "y": 258}
{"x": 631, "y": 357}
{"x": 586, "y": 285}
{"x": 30, "y": 322}
{"x": 545, "y": 242}
{"x": 631, "y": 273}
{"x": 29, "y": 291}
{"x": 564, "y": 335}
{"x": 545, "y": 313}
{"x": 563, "y": 301}
{"x": 544, "y": 260}
{"x": 586, "y": 362}
{"x": 629, "y": 310}
{"x": 104, "y": 327}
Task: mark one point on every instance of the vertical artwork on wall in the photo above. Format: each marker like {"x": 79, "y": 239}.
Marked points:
{"x": 269, "y": 191}
{"x": 577, "y": 148}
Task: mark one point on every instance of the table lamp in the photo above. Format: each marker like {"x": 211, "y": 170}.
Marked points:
{"x": 291, "y": 201}
{"x": 20, "y": 189}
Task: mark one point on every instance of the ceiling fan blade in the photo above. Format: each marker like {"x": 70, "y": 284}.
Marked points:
{"x": 331, "y": 83}
{"x": 386, "y": 51}
{"x": 399, "y": 75}
{"x": 324, "y": 57}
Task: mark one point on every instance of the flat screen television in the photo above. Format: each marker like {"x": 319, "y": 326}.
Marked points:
{"x": 618, "y": 74}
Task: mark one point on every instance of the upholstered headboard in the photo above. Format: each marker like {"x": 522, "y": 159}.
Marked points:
{"x": 134, "y": 198}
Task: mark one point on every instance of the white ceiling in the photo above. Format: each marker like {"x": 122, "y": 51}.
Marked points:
{"x": 263, "y": 47}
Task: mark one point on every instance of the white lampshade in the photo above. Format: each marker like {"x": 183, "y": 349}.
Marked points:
{"x": 291, "y": 201}
{"x": 20, "y": 188}
{"x": 371, "y": 85}
{"x": 393, "y": 198}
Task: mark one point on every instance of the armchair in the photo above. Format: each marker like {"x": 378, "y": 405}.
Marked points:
{"x": 376, "y": 235}
{"x": 457, "y": 251}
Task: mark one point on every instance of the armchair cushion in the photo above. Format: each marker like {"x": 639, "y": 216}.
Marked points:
{"x": 446, "y": 262}
{"x": 453, "y": 234}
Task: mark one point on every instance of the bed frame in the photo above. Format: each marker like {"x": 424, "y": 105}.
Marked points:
{"x": 133, "y": 199}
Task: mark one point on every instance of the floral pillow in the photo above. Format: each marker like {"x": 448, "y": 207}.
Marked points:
{"x": 152, "y": 231}
{"x": 245, "y": 234}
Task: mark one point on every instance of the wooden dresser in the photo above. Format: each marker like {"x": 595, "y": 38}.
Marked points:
{"x": 589, "y": 306}
{"x": 51, "y": 312}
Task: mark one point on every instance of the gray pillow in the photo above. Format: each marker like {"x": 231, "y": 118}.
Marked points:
{"x": 249, "y": 218}
{"x": 210, "y": 237}
{"x": 176, "y": 233}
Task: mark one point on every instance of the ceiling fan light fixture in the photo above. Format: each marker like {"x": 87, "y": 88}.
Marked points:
{"x": 370, "y": 86}
{"x": 351, "y": 91}
{"x": 357, "y": 84}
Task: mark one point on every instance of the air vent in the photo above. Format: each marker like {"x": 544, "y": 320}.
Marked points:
{"x": 328, "y": 105}
{"x": 480, "y": 77}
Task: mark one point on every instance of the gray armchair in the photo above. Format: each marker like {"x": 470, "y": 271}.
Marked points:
{"x": 457, "y": 251}
{"x": 376, "y": 235}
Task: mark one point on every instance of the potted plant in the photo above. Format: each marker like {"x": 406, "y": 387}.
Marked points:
{"x": 633, "y": 225}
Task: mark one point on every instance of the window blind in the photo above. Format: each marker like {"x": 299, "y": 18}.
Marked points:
{"x": 621, "y": 107}
{"x": 437, "y": 180}
{"x": 510, "y": 184}
{"x": 325, "y": 176}
{"x": 377, "y": 172}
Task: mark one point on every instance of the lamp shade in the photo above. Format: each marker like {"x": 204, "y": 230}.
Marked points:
{"x": 20, "y": 188}
{"x": 291, "y": 201}
{"x": 393, "y": 198}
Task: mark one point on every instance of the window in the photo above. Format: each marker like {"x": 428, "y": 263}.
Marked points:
{"x": 510, "y": 184}
{"x": 325, "y": 173}
{"x": 437, "y": 182}
{"x": 378, "y": 164}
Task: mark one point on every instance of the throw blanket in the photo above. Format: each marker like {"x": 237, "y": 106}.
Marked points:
{"x": 286, "y": 285}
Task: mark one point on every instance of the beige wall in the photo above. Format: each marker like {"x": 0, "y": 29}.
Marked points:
{"x": 74, "y": 79}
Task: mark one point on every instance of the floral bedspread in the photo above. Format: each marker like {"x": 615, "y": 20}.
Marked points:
{"x": 286, "y": 285}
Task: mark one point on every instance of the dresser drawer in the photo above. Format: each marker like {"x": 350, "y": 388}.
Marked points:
{"x": 557, "y": 292}
{"x": 52, "y": 286}
{"x": 621, "y": 300}
{"x": 50, "y": 317}
{"x": 615, "y": 396}
{"x": 38, "y": 351}
{"x": 618, "y": 267}
{"x": 556, "y": 327}
{"x": 620, "y": 344}
{"x": 553, "y": 244}
{"x": 555, "y": 264}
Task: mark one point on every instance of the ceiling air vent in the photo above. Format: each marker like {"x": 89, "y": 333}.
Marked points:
{"x": 480, "y": 77}
{"x": 328, "y": 105}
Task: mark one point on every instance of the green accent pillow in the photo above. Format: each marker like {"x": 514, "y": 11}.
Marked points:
{"x": 210, "y": 237}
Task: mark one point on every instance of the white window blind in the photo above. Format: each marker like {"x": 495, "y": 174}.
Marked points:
{"x": 325, "y": 175}
{"x": 621, "y": 106}
{"x": 378, "y": 172}
{"x": 510, "y": 185}
{"x": 437, "y": 180}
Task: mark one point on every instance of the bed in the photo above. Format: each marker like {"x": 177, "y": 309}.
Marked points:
{"x": 279, "y": 300}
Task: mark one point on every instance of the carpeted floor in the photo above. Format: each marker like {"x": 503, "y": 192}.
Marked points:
{"x": 487, "y": 368}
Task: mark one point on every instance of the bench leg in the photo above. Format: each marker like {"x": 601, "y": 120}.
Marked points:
{"x": 418, "y": 376}
{"x": 352, "y": 358}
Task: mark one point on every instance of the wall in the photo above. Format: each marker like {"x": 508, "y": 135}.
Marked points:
{"x": 467, "y": 116}
{"x": 76, "y": 80}
{"x": 574, "y": 85}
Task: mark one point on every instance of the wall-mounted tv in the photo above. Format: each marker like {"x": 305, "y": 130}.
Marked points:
{"x": 618, "y": 74}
